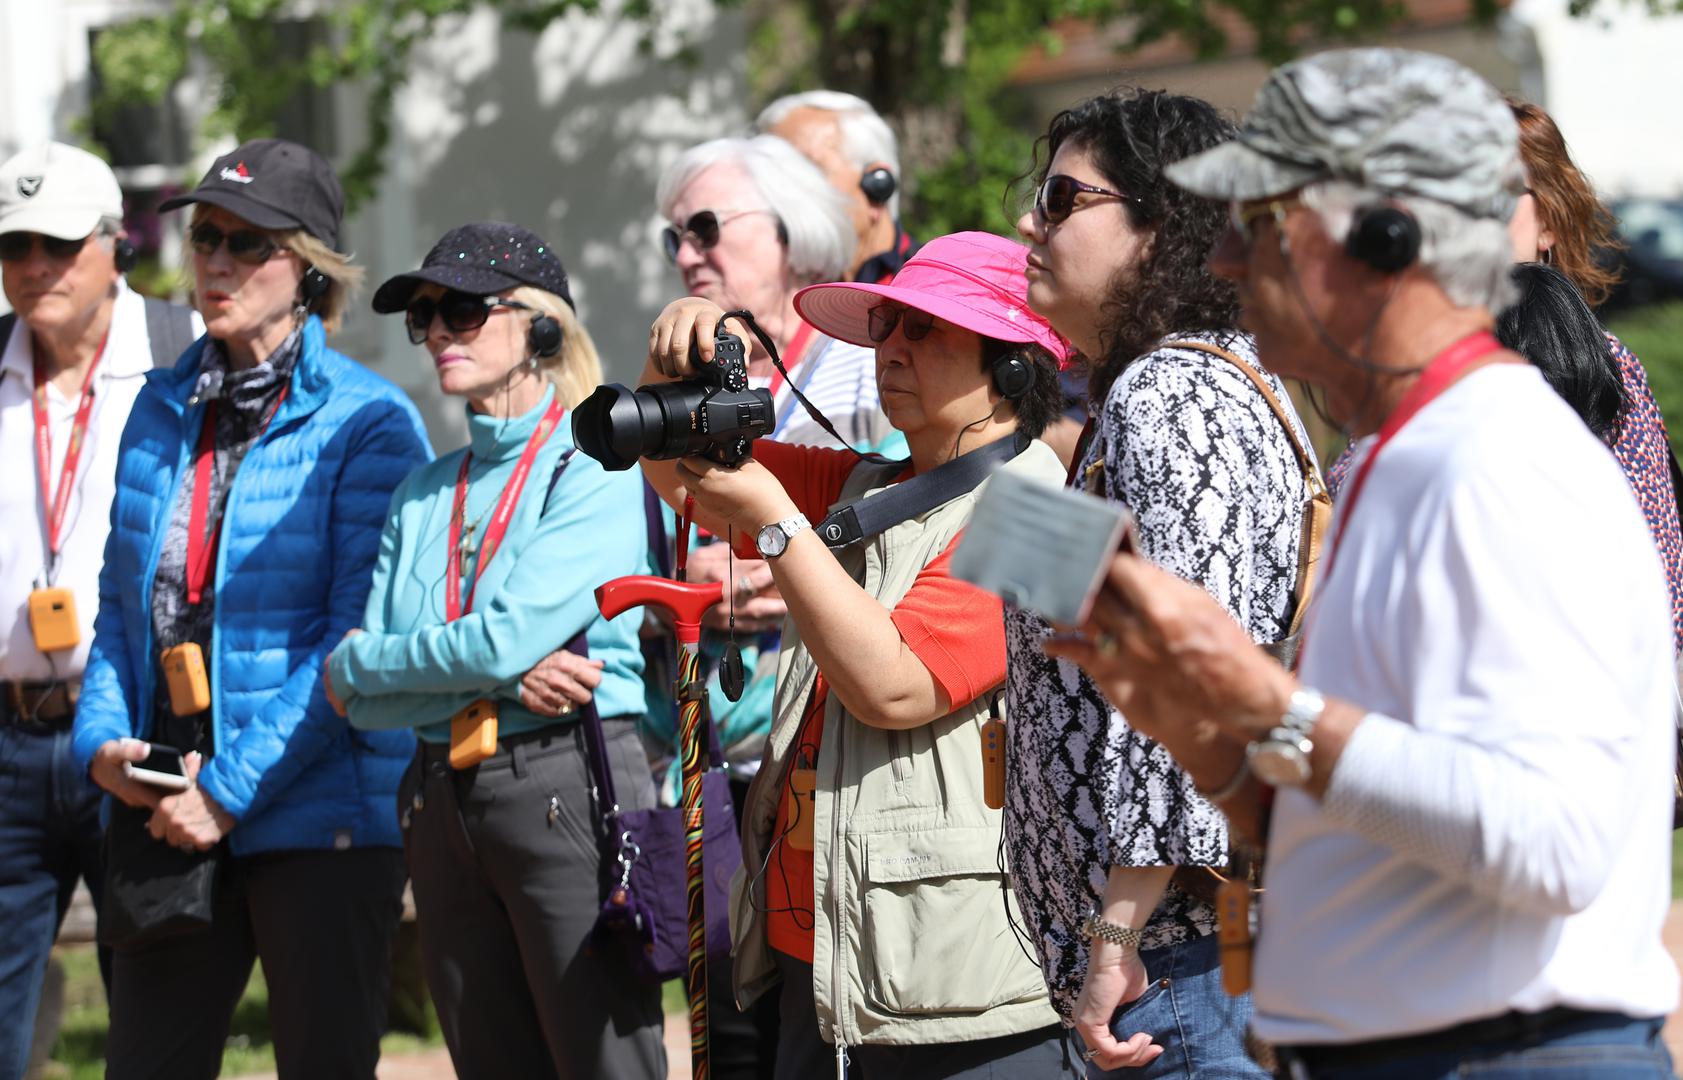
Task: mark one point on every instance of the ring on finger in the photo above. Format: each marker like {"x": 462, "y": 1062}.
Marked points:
{"x": 1089, "y": 1055}
{"x": 1106, "y": 644}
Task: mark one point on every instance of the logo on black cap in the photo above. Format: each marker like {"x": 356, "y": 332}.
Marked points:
{"x": 239, "y": 174}
{"x": 29, "y": 185}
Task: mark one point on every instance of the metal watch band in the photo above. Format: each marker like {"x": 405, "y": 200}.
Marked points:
{"x": 1302, "y": 710}
{"x": 1115, "y": 933}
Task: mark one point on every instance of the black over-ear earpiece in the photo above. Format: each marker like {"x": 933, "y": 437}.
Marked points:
{"x": 782, "y": 233}
{"x": 1386, "y": 238}
{"x": 124, "y": 255}
{"x": 878, "y": 184}
{"x": 313, "y": 286}
{"x": 544, "y": 338}
{"x": 1013, "y": 375}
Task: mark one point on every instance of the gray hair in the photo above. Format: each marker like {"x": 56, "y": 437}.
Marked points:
{"x": 781, "y": 179}
{"x": 866, "y": 137}
{"x": 1469, "y": 257}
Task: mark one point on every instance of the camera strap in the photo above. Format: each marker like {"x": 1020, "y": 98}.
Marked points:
{"x": 876, "y": 514}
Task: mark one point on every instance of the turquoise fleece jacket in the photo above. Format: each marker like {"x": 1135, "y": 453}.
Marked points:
{"x": 411, "y": 668}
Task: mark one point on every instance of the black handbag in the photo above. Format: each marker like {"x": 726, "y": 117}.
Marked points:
{"x": 152, "y": 891}
{"x": 645, "y": 910}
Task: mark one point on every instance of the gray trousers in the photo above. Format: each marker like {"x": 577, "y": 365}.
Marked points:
{"x": 508, "y": 879}
{"x": 1043, "y": 1054}
{"x": 320, "y": 921}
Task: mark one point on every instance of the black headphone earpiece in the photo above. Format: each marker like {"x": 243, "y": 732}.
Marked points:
{"x": 313, "y": 286}
{"x": 878, "y": 184}
{"x": 124, "y": 255}
{"x": 544, "y": 338}
{"x": 1386, "y": 238}
{"x": 782, "y": 233}
{"x": 1013, "y": 375}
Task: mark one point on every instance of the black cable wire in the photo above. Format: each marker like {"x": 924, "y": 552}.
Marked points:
{"x": 747, "y": 319}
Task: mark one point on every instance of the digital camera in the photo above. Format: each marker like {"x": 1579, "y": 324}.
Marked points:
{"x": 714, "y": 414}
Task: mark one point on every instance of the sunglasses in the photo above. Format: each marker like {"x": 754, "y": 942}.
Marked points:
{"x": 1241, "y": 217}
{"x": 16, "y": 246}
{"x": 248, "y": 246}
{"x": 882, "y": 319}
{"x": 460, "y": 311}
{"x": 1055, "y": 201}
{"x": 702, "y": 228}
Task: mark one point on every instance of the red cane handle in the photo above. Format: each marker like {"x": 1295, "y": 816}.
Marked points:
{"x": 685, "y": 601}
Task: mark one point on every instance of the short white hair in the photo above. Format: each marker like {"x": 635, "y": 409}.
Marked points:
{"x": 780, "y": 179}
{"x": 865, "y": 136}
{"x": 1470, "y": 258}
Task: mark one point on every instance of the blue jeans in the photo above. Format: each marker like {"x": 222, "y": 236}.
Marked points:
{"x": 49, "y": 836}
{"x": 1601, "y": 1047}
{"x": 1185, "y": 1010}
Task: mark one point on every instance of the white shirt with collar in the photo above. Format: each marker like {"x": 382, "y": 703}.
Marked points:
{"x": 1496, "y": 835}
{"x": 23, "y": 540}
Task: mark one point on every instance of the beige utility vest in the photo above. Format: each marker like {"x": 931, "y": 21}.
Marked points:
{"x": 911, "y": 944}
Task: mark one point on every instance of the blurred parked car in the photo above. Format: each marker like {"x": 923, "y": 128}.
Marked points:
{"x": 1652, "y": 262}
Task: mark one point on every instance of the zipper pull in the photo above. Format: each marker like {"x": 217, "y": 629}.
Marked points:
{"x": 841, "y": 1058}
{"x": 554, "y": 809}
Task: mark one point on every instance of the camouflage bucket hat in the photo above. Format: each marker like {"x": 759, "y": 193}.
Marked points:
{"x": 1390, "y": 120}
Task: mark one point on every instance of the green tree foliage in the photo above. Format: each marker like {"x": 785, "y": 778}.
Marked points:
{"x": 938, "y": 69}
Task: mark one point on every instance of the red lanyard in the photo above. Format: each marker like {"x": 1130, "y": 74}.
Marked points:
{"x": 1446, "y": 367}
{"x": 793, "y": 355}
{"x": 56, "y": 506}
{"x": 454, "y": 605}
{"x": 201, "y": 549}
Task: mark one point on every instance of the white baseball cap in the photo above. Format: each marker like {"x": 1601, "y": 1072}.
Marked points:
{"x": 57, "y": 190}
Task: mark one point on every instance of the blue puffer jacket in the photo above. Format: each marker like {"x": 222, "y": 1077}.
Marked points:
{"x": 298, "y": 545}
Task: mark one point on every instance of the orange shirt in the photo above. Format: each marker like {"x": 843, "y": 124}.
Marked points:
{"x": 954, "y": 628}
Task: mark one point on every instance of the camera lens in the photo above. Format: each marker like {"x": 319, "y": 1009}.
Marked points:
{"x": 616, "y": 425}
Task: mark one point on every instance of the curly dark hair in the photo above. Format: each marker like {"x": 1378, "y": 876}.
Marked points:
{"x": 1132, "y": 133}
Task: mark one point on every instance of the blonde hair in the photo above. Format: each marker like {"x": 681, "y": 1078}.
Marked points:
{"x": 344, "y": 278}
{"x": 577, "y": 369}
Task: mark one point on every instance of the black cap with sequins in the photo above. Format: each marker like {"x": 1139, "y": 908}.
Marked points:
{"x": 483, "y": 258}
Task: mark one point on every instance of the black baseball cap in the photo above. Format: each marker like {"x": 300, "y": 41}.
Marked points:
{"x": 480, "y": 259}
{"x": 274, "y": 184}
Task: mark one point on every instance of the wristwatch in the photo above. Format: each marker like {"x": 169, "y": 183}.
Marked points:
{"x": 773, "y": 540}
{"x": 1281, "y": 758}
{"x": 1115, "y": 933}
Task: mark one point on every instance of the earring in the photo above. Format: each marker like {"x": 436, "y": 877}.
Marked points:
{"x": 1547, "y": 258}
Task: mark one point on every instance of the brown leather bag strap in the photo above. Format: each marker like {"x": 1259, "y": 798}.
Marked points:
{"x": 1319, "y": 517}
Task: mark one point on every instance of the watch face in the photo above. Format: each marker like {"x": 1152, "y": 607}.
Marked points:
{"x": 771, "y": 540}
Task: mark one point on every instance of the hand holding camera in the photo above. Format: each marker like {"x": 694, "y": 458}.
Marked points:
{"x": 709, "y": 411}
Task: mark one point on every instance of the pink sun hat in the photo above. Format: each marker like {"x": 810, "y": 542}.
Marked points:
{"x": 970, "y": 279}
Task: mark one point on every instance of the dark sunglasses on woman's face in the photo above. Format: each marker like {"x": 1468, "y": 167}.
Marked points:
{"x": 247, "y": 246}
{"x": 883, "y": 318}
{"x": 16, "y": 246}
{"x": 1055, "y": 201}
{"x": 460, "y": 311}
{"x": 702, "y": 227}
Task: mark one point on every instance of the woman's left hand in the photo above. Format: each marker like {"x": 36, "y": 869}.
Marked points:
{"x": 747, "y": 496}
{"x": 192, "y": 820}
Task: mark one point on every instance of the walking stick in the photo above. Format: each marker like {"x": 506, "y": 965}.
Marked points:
{"x": 685, "y": 603}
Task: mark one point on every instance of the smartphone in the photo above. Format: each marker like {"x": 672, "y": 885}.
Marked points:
{"x": 160, "y": 768}
{"x": 1042, "y": 547}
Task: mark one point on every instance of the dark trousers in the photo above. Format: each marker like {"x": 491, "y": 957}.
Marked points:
{"x": 321, "y": 922}
{"x": 49, "y": 837}
{"x": 1042, "y": 1054}
{"x": 741, "y": 1045}
{"x": 508, "y": 880}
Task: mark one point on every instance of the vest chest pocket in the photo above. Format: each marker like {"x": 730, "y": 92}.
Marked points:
{"x": 936, "y": 939}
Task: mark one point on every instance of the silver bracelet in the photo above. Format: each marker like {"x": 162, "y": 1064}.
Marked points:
{"x": 1115, "y": 933}
{"x": 1229, "y": 789}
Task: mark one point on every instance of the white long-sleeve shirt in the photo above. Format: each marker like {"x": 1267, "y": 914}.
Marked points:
{"x": 1497, "y": 832}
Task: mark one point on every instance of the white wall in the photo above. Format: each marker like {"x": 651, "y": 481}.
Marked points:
{"x": 1612, "y": 81}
